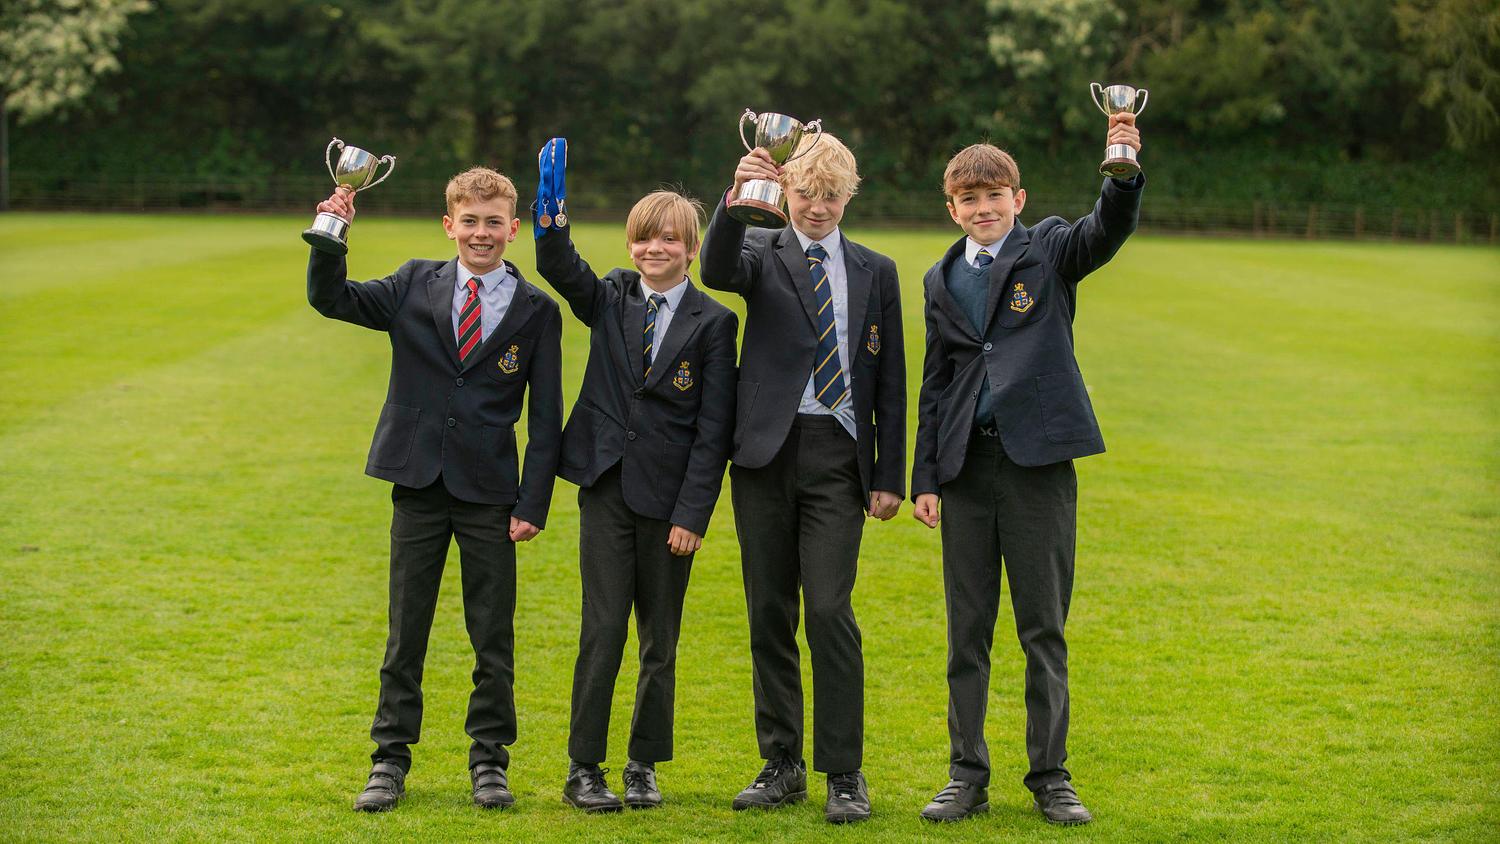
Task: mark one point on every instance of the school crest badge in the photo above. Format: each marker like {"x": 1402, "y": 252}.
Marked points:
{"x": 872, "y": 341}
{"x": 511, "y": 360}
{"x": 1020, "y": 300}
{"x": 683, "y": 379}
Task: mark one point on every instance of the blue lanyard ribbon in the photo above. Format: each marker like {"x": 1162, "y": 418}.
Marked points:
{"x": 551, "y": 188}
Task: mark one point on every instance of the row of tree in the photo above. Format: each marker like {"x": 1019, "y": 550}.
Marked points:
{"x": 1249, "y": 98}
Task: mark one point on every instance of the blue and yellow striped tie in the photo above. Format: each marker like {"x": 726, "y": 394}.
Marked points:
{"x": 828, "y": 372}
{"x": 656, "y": 301}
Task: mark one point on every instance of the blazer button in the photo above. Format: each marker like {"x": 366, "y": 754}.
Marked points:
{"x": 640, "y": 393}
{"x": 630, "y": 435}
{"x": 459, "y": 382}
{"x": 973, "y": 395}
{"x": 988, "y": 346}
{"x": 452, "y": 421}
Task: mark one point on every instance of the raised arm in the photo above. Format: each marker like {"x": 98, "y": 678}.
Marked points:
{"x": 727, "y": 262}
{"x": 371, "y": 304}
{"x": 1089, "y": 242}
{"x": 560, "y": 264}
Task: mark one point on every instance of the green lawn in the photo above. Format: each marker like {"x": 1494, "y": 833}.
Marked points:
{"x": 1286, "y": 623}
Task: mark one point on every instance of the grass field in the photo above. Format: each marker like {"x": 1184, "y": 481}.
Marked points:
{"x": 1286, "y": 624}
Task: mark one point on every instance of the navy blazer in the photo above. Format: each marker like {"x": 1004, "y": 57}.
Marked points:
{"x": 670, "y": 432}
{"x": 1025, "y": 350}
{"x": 769, "y": 269}
{"x": 450, "y": 419}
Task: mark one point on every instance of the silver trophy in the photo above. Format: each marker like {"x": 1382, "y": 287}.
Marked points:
{"x": 355, "y": 171}
{"x": 759, "y": 200}
{"x": 1119, "y": 159}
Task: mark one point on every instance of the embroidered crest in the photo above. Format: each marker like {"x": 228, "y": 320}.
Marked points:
{"x": 511, "y": 360}
{"x": 872, "y": 342}
{"x": 683, "y": 380}
{"x": 1020, "y": 300}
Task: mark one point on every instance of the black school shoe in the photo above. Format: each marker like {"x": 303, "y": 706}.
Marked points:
{"x": 385, "y": 788}
{"x": 959, "y": 799}
{"x": 587, "y": 790}
{"x": 848, "y": 798}
{"x": 491, "y": 786}
{"x": 1059, "y": 804}
{"x": 640, "y": 785}
{"x": 780, "y": 783}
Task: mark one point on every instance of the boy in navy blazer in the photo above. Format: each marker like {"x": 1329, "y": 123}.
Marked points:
{"x": 819, "y": 442}
{"x": 1002, "y": 414}
{"x": 646, "y": 443}
{"x": 469, "y": 337}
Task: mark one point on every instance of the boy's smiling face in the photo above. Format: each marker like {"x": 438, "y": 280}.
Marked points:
{"x": 814, "y": 214}
{"x": 987, "y": 212}
{"x": 663, "y": 258}
{"x": 482, "y": 230}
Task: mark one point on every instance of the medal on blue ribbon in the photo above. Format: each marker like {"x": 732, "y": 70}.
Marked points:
{"x": 550, "y": 190}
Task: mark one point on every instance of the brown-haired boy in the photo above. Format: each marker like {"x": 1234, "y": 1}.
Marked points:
{"x": 646, "y": 443}
{"x": 1001, "y": 415}
{"x": 820, "y": 440}
{"x": 469, "y": 337}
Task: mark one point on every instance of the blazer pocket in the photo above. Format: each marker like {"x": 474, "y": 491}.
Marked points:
{"x": 674, "y": 462}
{"x": 394, "y": 435}
{"x": 1067, "y": 416}
{"x": 496, "y": 463}
{"x": 580, "y": 436}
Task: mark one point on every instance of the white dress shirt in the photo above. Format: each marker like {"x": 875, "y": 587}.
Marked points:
{"x": 664, "y": 312}
{"x": 496, "y": 288}
{"x": 838, "y": 283}
{"x": 972, "y": 246}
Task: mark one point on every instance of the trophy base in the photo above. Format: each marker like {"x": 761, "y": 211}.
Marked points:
{"x": 329, "y": 233}
{"x": 1119, "y": 162}
{"x": 758, "y": 204}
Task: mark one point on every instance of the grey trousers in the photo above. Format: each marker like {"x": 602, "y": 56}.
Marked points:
{"x": 624, "y": 563}
{"x": 800, "y": 519}
{"x": 1026, "y": 516}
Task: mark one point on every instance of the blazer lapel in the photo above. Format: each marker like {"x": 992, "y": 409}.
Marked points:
{"x": 521, "y": 307}
{"x": 440, "y": 300}
{"x": 1016, "y": 244}
{"x": 938, "y": 289}
{"x": 633, "y": 324}
{"x": 789, "y": 250}
{"x": 684, "y": 323}
{"x": 857, "y": 278}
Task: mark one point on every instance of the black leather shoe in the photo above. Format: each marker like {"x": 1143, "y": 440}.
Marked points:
{"x": 640, "y": 786}
{"x": 386, "y": 787}
{"x": 1059, "y": 804}
{"x": 848, "y": 798}
{"x": 958, "y": 800}
{"x": 587, "y": 790}
{"x": 491, "y": 786}
{"x": 781, "y": 782}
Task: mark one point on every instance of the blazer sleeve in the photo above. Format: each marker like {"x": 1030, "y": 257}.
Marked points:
{"x": 544, "y": 407}
{"x": 728, "y": 262}
{"x": 371, "y": 304}
{"x": 889, "y": 474}
{"x": 705, "y": 471}
{"x": 563, "y": 268}
{"x": 1078, "y": 249}
{"x": 937, "y": 374}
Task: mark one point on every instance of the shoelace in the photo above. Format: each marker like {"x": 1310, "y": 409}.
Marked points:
{"x": 843, "y": 786}
{"x": 635, "y": 777}
{"x": 770, "y": 772}
{"x": 593, "y": 779}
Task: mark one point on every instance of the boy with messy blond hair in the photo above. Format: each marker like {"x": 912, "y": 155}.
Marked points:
{"x": 819, "y": 442}
{"x": 1002, "y": 414}
{"x": 646, "y": 444}
{"x": 469, "y": 338}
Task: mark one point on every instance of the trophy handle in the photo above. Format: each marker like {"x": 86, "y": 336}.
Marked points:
{"x": 817, "y": 126}
{"x": 1141, "y": 95}
{"x": 1096, "y": 93}
{"x": 390, "y": 161}
{"x": 750, "y": 116}
{"x": 328, "y": 157}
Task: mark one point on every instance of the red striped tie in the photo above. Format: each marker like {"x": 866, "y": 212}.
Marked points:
{"x": 469, "y": 334}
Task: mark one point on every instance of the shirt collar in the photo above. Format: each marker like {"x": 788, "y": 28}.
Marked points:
{"x": 489, "y": 281}
{"x": 674, "y": 295}
{"x": 972, "y": 247}
{"x": 832, "y": 243}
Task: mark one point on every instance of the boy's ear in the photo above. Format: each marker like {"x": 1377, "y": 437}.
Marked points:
{"x": 448, "y": 226}
{"x": 1020, "y": 199}
{"x": 952, "y": 211}
{"x": 515, "y": 226}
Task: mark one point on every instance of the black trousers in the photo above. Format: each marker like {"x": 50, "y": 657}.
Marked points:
{"x": 624, "y": 562}
{"x": 422, "y": 524}
{"x": 800, "y": 519}
{"x": 1026, "y": 516}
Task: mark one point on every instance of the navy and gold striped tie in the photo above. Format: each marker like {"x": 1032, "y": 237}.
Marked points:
{"x": 828, "y": 373}
{"x": 656, "y": 301}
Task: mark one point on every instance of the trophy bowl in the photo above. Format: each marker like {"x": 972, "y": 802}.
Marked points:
{"x": 759, "y": 201}
{"x": 354, "y": 172}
